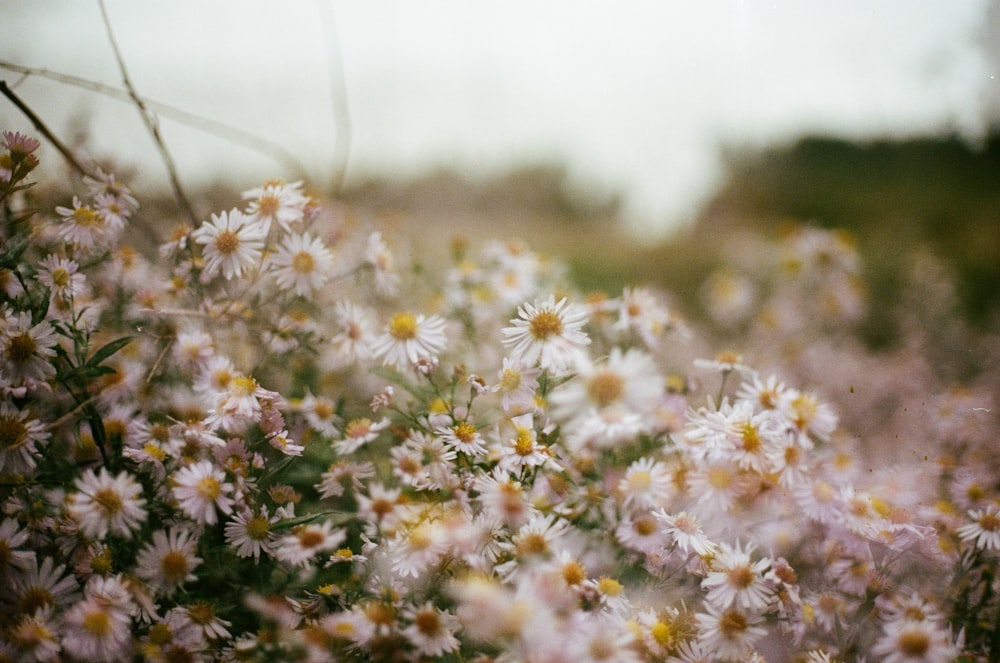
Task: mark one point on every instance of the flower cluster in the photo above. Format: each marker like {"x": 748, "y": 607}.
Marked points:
{"x": 270, "y": 440}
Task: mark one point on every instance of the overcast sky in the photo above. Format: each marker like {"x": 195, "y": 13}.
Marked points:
{"x": 633, "y": 95}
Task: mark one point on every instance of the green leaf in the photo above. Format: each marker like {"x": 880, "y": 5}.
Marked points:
{"x": 107, "y": 350}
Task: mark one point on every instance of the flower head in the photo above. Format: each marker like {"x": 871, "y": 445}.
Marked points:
{"x": 548, "y": 333}
{"x": 233, "y": 243}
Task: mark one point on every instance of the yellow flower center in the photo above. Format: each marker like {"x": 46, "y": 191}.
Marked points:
{"x": 268, "y": 205}
{"x": 609, "y": 586}
{"x": 34, "y": 598}
{"x": 174, "y": 566}
{"x": 21, "y": 348}
{"x": 732, "y": 623}
{"x": 243, "y": 386}
{"x": 357, "y": 428}
{"x": 310, "y": 537}
{"x": 110, "y": 501}
{"x": 13, "y": 433}
{"x": 605, "y": 388}
{"x": 403, "y": 326}
{"x": 60, "y": 277}
{"x": 428, "y": 623}
{"x": 573, "y": 573}
{"x": 303, "y": 262}
{"x": 640, "y": 480}
{"x": 97, "y": 623}
{"x": 227, "y": 242}
{"x": 85, "y": 216}
{"x": 258, "y": 528}
{"x": 644, "y": 525}
{"x": 464, "y": 432}
{"x": 208, "y": 488}
{"x": 750, "y": 437}
{"x": 510, "y": 379}
{"x": 544, "y": 324}
{"x": 914, "y": 643}
{"x": 661, "y": 634}
{"x": 532, "y": 543}
{"x": 989, "y": 522}
{"x": 159, "y": 634}
{"x": 740, "y": 577}
{"x": 524, "y": 443}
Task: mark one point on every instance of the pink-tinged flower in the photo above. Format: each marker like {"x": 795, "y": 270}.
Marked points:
{"x": 42, "y": 587}
{"x": 378, "y": 255}
{"x": 408, "y": 338}
{"x": 548, "y": 333}
{"x": 18, "y": 143}
{"x": 104, "y": 504}
{"x": 98, "y": 628}
{"x": 302, "y": 264}
{"x": 200, "y": 489}
{"x": 169, "y": 560}
{"x": 251, "y": 534}
{"x": 685, "y": 530}
{"x": 233, "y": 244}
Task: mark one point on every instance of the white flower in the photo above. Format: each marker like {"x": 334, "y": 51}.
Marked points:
{"x": 729, "y": 634}
{"x": 409, "y": 338}
{"x": 276, "y": 201}
{"x": 646, "y": 484}
{"x": 250, "y": 533}
{"x": 169, "y": 560}
{"x": 19, "y": 437}
{"x": 548, "y": 333}
{"x": 686, "y": 532}
{"x": 200, "y": 489}
{"x": 302, "y": 264}
{"x": 358, "y": 433}
{"x": 984, "y": 530}
{"x": 61, "y": 276}
{"x": 233, "y": 243}
{"x": 735, "y": 580}
{"x": 104, "y": 504}
{"x": 26, "y": 350}
{"x": 306, "y": 541}
{"x": 85, "y": 228}
{"x": 431, "y": 631}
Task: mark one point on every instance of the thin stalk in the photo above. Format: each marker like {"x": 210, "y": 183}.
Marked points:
{"x": 149, "y": 119}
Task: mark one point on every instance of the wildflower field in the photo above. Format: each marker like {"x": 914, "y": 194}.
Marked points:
{"x": 272, "y": 438}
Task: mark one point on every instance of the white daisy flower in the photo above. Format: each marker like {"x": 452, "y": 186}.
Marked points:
{"x": 83, "y": 227}
{"x": 276, "y": 201}
{"x": 302, "y": 264}
{"x": 26, "y": 350}
{"x": 19, "y": 437}
{"x": 731, "y": 633}
{"x": 104, "y": 504}
{"x": 233, "y": 243}
{"x": 251, "y": 534}
{"x": 984, "y": 530}
{"x": 548, "y": 333}
{"x": 359, "y": 432}
{"x": 431, "y": 631}
{"x": 61, "y": 276}
{"x": 200, "y": 489}
{"x": 409, "y": 338}
{"x": 734, "y": 580}
{"x": 169, "y": 560}
{"x": 306, "y": 541}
